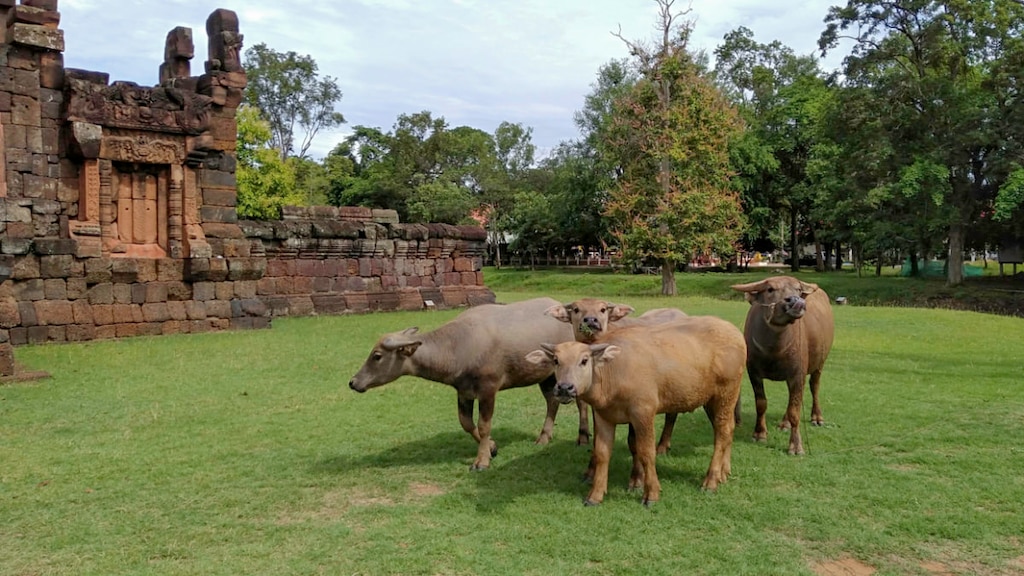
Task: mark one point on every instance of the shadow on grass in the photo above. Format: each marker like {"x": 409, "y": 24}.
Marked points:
{"x": 454, "y": 446}
{"x": 522, "y": 469}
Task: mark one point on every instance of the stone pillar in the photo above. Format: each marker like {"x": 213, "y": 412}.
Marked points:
{"x": 178, "y": 51}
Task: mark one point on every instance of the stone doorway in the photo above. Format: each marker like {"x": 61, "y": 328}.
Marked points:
{"x": 141, "y": 199}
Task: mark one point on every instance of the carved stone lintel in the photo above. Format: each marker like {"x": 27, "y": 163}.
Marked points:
{"x": 143, "y": 148}
{"x": 127, "y": 105}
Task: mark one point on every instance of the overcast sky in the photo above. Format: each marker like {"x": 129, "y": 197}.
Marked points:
{"x": 474, "y": 62}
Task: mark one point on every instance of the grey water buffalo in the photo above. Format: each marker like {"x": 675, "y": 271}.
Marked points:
{"x": 632, "y": 374}
{"x": 592, "y": 317}
{"x": 479, "y": 352}
{"x": 789, "y": 331}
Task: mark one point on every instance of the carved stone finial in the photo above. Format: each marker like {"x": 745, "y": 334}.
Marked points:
{"x": 225, "y": 41}
{"x": 178, "y": 50}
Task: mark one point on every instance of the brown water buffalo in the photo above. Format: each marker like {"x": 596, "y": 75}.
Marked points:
{"x": 632, "y": 374}
{"x": 479, "y": 352}
{"x": 789, "y": 331}
{"x": 592, "y": 317}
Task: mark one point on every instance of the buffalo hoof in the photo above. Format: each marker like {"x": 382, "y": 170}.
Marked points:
{"x": 760, "y": 438}
{"x": 649, "y": 503}
{"x": 494, "y": 449}
{"x": 543, "y": 440}
{"x": 479, "y": 467}
{"x": 662, "y": 450}
{"x": 589, "y": 503}
{"x": 785, "y": 425}
{"x": 818, "y": 422}
{"x": 583, "y": 440}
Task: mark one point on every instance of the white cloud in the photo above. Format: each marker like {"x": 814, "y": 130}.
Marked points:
{"x": 475, "y": 62}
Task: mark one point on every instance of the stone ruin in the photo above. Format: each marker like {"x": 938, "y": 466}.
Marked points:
{"x": 117, "y": 207}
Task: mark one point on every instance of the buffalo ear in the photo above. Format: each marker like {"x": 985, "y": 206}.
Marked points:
{"x": 410, "y": 331}
{"x": 539, "y": 357}
{"x": 558, "y": 312}
{"x": 806, "y": 288}
{"x": 619, "y": 311}
{"x": 604, "y": 352}
{"x": 402, "y": 340}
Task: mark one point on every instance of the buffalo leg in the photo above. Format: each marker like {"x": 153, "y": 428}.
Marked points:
{"x": 547, "y": 388}
{"x": 636, "y": 475}
{"x": 583, "y": 437}
{"x": 488, "y": 447}
{"x": 761, "y": 405}
{"x": 604, "y": 439}
{"x": 796, "y": 401}
{"x": 644, "y": 458}
{"x": 816, "y": 418}
{"x": 665, "y": 442}
{"x": 723, "y": 422}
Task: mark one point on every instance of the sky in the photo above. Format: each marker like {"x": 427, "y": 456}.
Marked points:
{"x": 476, "y": 63}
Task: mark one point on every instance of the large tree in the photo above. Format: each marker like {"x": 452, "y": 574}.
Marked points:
{"x": 670, "y": 138}
{"x": 946, "y": 74}
{"x": 289, "y": 92}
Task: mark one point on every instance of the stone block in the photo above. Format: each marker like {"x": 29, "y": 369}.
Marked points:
{"x": 82, "y": 312}
{"x": 102, "y": 293}
{"x": 10, "y": 313}
{"x": 59, "y": 266}
{"x": 103, "y": 314}
{"x": 27, "y": 314}
{"x": 155, "y": 312}
{"x": 329, "y": 303}
{"x": 36, "y": 36}
{"x": 81, "y": 332}
{"x": 54, "y": 313}
{"x": 55, "y": 289}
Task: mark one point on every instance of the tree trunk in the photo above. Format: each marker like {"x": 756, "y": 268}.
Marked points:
{"x": 794, "y": 250}
{"x": 819, "y": 261}
{"x": 878, "y": 263}
{"x": 839, "y": 256}
{"x": 914, "y": 268}
{"x": 955, "y": 261}
{"x": 668, "y": 278}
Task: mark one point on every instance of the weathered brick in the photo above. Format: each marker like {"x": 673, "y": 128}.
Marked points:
{"x": 195, "y": 310}
{"x": 82, "y": 312}
{"x": 102, "y": 293}
{"x": 55, "y": 289}
{"x": 103, "y": 314}
{"x": 54, "y": 312}
{"x": 27, "y": 314}
{"x": 10, "y": 314}
{"x": 155, "y": 312}
{"x": 81, "y": 332}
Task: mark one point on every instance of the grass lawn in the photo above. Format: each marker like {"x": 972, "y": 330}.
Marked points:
{"x": 245, "y": 453}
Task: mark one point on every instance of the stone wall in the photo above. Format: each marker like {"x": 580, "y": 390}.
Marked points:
{"x": 117, "y": 207}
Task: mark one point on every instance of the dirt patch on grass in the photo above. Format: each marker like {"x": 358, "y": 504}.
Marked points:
{"x": 936, "y": 568}
{"x": 423, "y": 490}
{"x": 843, "y": 567}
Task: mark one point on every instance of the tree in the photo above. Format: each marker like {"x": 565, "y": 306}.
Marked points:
{"x": 289, "y": 92}
{"x": 670, "y": 138}
{"x": 265, "y": 181}
{"x": 778, "y": 94}
{"x": 947, "y": 74}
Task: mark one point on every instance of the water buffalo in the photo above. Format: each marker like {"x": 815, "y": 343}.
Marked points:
{"x": 479, "y": 352}
{"x": 789, "y": 331}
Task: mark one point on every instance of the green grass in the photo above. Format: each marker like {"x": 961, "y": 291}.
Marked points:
{"x": 245, "y": 453}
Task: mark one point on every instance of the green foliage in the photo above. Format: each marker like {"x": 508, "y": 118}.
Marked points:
{"x": 670, "y": 138}
{"x": 290, "y": 93}
{"x": 1010, "y": 196}
{"x": 441, "y": 201}
{"x": 265, "y": 181}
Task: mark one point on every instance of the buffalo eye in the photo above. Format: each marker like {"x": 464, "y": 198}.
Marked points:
{"x": 377, "y": 357}
{"x": 770, "y": 290}
{"x": 584, "y": 361}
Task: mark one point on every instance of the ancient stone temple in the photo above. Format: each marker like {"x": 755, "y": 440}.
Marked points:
{"x": 117, "y": 207}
